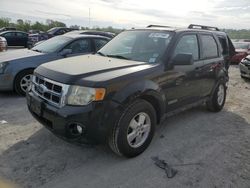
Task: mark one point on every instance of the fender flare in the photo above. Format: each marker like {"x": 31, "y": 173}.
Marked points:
{"x": 147, "y": 90}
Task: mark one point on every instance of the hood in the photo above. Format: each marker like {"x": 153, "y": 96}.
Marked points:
{"x": 88, "y": 68}
{"x": 17, "y": 54}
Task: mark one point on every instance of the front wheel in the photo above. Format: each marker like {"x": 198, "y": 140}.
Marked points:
{"x": 218, "y": 98}
{"x": 22, "y": 81}
{"x": 134, "y": 130}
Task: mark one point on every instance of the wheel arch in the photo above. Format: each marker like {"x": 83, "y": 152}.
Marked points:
{"x": 146, "y": 90}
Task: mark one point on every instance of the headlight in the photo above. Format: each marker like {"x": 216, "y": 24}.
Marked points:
{"x": 3, "y": 66}
{"x": 79, "y": 95}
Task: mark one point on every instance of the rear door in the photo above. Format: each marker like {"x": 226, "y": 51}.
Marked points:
{"x": 184, "y": 81}
{"x": 213, "y": 61}
{"x": 21, "y": 39}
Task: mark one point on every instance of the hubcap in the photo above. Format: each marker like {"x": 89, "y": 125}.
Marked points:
{"x": 220, "y": 95}
{"x": 138, "y": 130}
{"x": 25, "y": 82}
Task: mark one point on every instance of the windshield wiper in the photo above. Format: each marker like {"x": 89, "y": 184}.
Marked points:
{"x": 102, "y": 54}
{"x": 118, "y": 56}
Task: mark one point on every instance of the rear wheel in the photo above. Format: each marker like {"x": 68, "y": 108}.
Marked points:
{"x": 134, "y": 130}
{"x": 218, "y": 98}
{"x": 22, "y": 81}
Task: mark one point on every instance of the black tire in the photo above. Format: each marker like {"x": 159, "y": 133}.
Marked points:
{"x": 213, "y": 103}
{"x": 118, "y": 141}
{"x": 18, "y": 80}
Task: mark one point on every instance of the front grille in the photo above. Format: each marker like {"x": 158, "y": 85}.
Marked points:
{"x": 51, "y": 91}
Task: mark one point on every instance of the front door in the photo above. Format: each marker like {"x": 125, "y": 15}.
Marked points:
{"x": 184, "y": 82}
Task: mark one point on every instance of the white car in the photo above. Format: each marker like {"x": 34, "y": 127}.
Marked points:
{"x": 3, "y": 44}
{"x": 245, "y": 67}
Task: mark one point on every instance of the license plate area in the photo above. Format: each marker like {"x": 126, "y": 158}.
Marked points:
{"x": 36, "y": 105}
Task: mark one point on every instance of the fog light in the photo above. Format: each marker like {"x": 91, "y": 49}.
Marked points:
{"x": 76, "y": 129}
{"x": 79, "y": 129}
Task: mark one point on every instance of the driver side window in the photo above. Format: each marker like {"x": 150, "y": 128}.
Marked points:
{"x": 80, "y": 46}
{"x": 188, "y": 44}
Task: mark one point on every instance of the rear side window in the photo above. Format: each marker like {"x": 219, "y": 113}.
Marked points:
{"x": 21, "y": 35}
{"x": 188, "y": 44}
{"x": 99, "y": 43}
{"x": 224, "y": 45}
{"x": 10, "y": 34}
{"x": 209, "y": 47}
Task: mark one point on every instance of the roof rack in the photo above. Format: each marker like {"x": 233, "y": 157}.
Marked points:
{"x": 158, "y": 26}
{"x": 194, "y": 26}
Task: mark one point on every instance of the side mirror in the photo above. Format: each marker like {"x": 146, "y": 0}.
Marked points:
{"x": 183, "y": 59}
{"x": 65, "y": 52}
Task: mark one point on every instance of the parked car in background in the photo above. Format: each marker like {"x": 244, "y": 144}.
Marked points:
{"x": 93, "y": 32}
{"x": 41, "y": 36}
{"x": 7, "y": 29}
{"x": 120, "y": 94}
{"x": 245, "y": 67}
{"x": 242, "y": 49}
{"x": 36, "y": 38}
{"x": 16, "y": 67}
{"x": 15, "y": 38}
{"x": 3, "y": 44}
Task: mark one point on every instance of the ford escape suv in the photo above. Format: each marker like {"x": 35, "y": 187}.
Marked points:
{"x": 120, "y": 94}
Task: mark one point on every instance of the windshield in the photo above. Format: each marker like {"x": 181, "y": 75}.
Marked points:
{"x": 146, "y": 46}
{"x": 241, "y": 45}
{"x": 52, "y": 45}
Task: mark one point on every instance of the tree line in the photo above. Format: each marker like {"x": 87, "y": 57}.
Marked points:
{"x": 26, "y": 25}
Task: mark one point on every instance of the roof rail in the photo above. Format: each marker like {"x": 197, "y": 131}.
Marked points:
{"x": 158, "y": 26}
{"x": 194, "y": 26}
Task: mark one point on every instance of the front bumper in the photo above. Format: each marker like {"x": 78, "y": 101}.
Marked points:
{"x": 95, "y": 119}
{"x": 6, "y": 82}
{"x": 245, "y": 70}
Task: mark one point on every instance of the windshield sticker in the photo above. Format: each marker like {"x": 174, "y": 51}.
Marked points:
{"x": 159, "y": 35}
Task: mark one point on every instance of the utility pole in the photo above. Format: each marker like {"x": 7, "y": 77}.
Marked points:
{"x": 89, "y": 18}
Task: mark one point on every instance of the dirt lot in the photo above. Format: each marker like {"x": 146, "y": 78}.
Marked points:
{"x": 207, "y": 149}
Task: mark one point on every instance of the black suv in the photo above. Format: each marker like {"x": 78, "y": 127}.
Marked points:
{"x": 120, "y": 94}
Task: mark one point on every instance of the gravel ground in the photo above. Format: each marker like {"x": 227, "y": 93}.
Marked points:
{"x": 207, "y": 149}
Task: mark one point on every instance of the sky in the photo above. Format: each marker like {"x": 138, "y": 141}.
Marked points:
{"x": 234, "y": 14}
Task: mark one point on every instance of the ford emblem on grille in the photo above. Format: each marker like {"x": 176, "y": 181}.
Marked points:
{"x": 42, "y": 88}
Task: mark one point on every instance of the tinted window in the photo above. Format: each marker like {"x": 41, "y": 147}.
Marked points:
{"x": 10, "y": 34}
{"x": 20, "y": 34}
{"x": 99, "y": 43}
{"x": 188, "y": 44}
{"x": 80, "y": 46}
{"x": 209, "y": 46}
{"x": 223, "y": 44}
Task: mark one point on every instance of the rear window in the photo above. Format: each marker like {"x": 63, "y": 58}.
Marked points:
{"x": 224, "y": 45}
{"x": 209, "y": 47}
